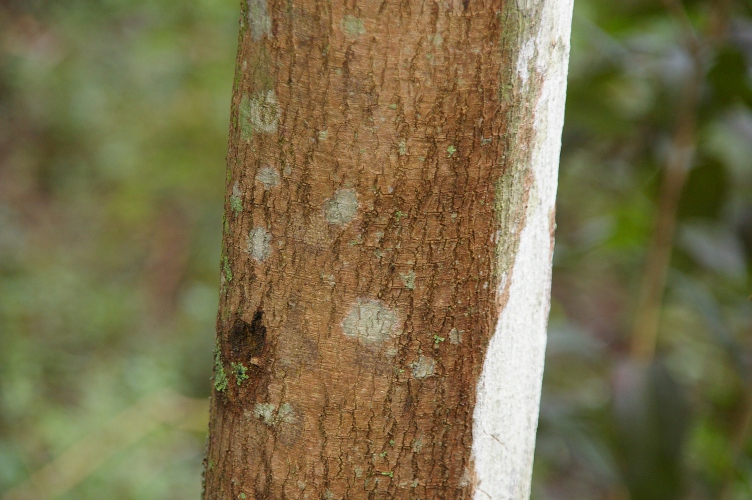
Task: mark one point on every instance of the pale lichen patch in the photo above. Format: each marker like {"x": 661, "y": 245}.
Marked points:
{"x": 236, "y": 201}
{"x": 370, "y": 321}
{"x": 417, "y": 444}
{"x": 265, "y": 413}
{"x": 286, "y": 414}
{"x": 352, "y": 26}
{"x": 526, "y": 55}
{"x": 268, "y": 176}
{"x": 455, "y": 336}
{"x": 409, "y": 280}
{"x": 424, "y": 367}
{"x": 342, "y": 207}
{"x": 259, "y": 113}
{"x": 464, "y": 479}
{"x": 258, "y": 19}
{"x": 259, "y": 247}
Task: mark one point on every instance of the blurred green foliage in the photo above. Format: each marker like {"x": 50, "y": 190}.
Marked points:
{"x": 113, "y": 126}
{"x": 675, "y": 425}
{"x": 113, "y": 120}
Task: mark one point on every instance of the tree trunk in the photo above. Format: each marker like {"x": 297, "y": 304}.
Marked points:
{"x": 387, "y": 249}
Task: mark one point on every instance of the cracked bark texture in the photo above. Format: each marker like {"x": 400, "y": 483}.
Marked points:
{"x": 383, "y": 171}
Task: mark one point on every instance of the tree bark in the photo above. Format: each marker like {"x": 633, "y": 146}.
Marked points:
{"x": 387, "y": 249}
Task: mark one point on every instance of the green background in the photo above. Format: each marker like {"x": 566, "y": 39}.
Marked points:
{"x": 113, "y": 127}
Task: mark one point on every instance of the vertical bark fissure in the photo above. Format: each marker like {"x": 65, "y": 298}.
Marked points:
{"x": 368, "y": 144}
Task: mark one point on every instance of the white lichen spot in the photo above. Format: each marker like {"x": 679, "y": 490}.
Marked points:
{"x": 455, "y": 336}
{"x": 391, "y": 352}
{"x": 286, "y": 414}
{"x": 323, "y": 135}
{"x": 417, "y": 444}
{"x": 402, "y": 147}
{"x": 438, "y": 40}
{"x": 358, "y": 471}
{"x": 259, "y": 247}
{"x": 265, "y": 413}
{"x": 409, "y": 280}
{"x": 352, "y": 26}
{"x": 464, "y": 479}
{"x": 301, "y": 485}
{"x": 424, "y": 367}
{"x": 370, "y": 321}
{"x": 523, "y": 62}
{"x": 268, "y": 176}
{"x": 259, "y": 113}
{"x": 342, "y": 207}
{"x": 258, "y": 19}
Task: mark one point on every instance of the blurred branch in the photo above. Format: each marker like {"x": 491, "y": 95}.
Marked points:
{"x": 125, "y": 429}
{"x": 645, "y": 329}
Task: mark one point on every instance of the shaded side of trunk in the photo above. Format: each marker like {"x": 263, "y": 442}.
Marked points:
{"x": 374, "y": 210}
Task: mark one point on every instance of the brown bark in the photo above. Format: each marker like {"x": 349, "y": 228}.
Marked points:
{"x": 358, "y": 286}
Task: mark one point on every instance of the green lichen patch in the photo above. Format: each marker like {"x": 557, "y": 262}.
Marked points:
{"x": 240, "y": 371}
{"x": 259, "y": 244}
{"x": 258, "y": 114}
{"x": 370, "y": 321}
{"x": 226, "y": 269}
{"x": 258, "y": 19}
{"x": 342, "y": 207}
{"x": 352, "y": 26}
{"x": 220, "y": 377}
{"x": 268, "y": 176}
{"x": 451, "y": 150}
{"x": 424, "y": 367}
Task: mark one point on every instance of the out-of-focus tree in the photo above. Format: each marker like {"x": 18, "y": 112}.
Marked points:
{"x": 647, "y": 393}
